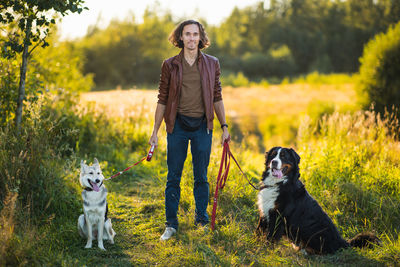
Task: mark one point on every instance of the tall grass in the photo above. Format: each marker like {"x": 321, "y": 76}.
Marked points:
{"x": 33, "y": 191}
{"x": 7, "y": 223}
{"x": 350, "y": 163}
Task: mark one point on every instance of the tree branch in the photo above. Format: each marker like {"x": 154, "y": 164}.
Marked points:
{"x": 36, "y": 45}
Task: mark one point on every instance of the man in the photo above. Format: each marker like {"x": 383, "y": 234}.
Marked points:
{"x": 189, "y": 92}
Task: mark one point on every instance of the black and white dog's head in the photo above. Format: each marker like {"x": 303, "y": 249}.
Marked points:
{"x": 281, "y": 166}
{"x": 91, "y": 176}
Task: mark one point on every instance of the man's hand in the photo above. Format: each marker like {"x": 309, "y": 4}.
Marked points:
{"x": 153, "y": 139}
{"x": 157, "y": 122}
{"x": 225, "y": 136}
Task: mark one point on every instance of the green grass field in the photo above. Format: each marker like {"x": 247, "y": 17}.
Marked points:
{"x": 349, "y": 163}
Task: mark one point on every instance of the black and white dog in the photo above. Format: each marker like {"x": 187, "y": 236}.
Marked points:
{"x": 94, "y": 224}
{"x": 286, "y": 209}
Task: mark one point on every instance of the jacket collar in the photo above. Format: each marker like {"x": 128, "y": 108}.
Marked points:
{"x": 178, "y": 58}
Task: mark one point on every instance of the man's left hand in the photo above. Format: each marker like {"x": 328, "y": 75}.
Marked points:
{"x": 225, "y": 136}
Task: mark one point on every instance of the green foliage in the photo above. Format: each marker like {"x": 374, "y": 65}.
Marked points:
{"x": 56, "y": 69}
{"x": 316, "y": 78}
{"x": 59, "y": 67}
{"x": 238, "y": 80}
{"x": 8, "y": 89}
{"x": 284, "y": 39}
{"x": 128, "y": 53}
{"x": 279, "y": 129}
{"x": 316, "y": 110}
{"x": 326, "y": 36}
{"x": 28, "y": 24}
{"x": 33, "y": 21}
{"x": 275, "y": 63}
{"x": 379, "y": 79}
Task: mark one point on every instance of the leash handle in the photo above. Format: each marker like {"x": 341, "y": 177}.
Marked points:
{"x": 151, "y": 151}
{"x": 148, "y": 158}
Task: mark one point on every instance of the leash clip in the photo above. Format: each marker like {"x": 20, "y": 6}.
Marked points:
{"x": 151, "y": 151}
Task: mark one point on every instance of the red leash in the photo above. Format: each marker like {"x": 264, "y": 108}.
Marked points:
{"x": 148, "y": 158}
{"x": 223, "y": 175}
{"x": 221, "y": 179}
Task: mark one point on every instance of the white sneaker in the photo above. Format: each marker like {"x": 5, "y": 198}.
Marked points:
{"x": 169, "y": 231}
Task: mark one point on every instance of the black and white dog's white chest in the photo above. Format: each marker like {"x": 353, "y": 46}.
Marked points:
{"x": 275, "y": 174}
{"x": 267, "y": 198}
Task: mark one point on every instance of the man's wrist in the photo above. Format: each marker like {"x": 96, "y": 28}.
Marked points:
{"x": 224, "y": 125}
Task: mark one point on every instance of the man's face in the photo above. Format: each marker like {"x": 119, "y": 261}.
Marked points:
{"x": 191, "y": 36}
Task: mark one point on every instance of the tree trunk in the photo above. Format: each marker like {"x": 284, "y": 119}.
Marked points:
{"x": 23, "y": 70}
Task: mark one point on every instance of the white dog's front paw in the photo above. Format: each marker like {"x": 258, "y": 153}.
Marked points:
{"x": 101, "y": 247}
{"x": 89, "y": 244}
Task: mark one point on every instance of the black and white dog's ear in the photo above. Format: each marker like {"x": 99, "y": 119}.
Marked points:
{"x": 295, "y": 156}
{"x": 266, "y": 155}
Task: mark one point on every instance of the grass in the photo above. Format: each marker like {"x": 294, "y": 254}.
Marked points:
{"x": 136, "y": 208}
{"x": 350, "y": 164}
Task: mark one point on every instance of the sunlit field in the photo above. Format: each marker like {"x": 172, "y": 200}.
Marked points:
{"x": 349, "y": 164}
{"x": 272, "y": 112}
{"x": 239, "y": 102}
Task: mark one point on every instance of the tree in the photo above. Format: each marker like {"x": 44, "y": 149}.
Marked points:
{"x": 379, "y": 80}
{"x": 32, "y": 20}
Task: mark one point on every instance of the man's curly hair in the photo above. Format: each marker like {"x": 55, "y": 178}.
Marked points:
{"x": 175, "y": 36}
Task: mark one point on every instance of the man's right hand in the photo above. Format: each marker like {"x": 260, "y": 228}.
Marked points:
{"x": 153, "y": 139}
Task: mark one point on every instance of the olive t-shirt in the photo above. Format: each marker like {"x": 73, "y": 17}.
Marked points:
{"x": 191, "y": 99}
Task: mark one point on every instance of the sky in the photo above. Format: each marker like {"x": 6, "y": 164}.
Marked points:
{"x": 102, "y": 11}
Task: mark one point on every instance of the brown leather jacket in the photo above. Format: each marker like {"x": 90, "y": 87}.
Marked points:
{"x": 171, "y": 84}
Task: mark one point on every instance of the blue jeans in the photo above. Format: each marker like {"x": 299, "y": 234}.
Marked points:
{"x": 177, "y": 145}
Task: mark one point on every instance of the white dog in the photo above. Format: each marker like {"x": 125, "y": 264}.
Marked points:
{"x": 94, "y": 222}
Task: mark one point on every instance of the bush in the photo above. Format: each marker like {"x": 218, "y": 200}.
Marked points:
{"x": 31, "y": 164}
{"x": 379, "y": 80}
{"x": 316, "y": 78}
{"x": 238, "y": 80}
{"x": 318, "y": 109}
{"x": 277, "y": 63}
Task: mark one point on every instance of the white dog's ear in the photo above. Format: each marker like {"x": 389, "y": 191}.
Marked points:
{"x": 83, "y": 166}
{"x": 96, "y": 162}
